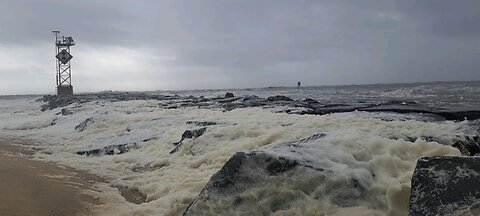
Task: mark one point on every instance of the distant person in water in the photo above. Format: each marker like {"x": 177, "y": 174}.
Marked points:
{"x": 298, "y": 84}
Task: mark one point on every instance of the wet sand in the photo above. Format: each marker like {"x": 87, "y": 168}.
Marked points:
{"x": 30, "y": 187}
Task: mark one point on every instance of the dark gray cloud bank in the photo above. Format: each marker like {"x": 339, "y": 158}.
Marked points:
{"x": 149, "y": 45}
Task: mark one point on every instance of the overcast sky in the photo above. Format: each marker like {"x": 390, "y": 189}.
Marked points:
{"x": 199, "y": 44}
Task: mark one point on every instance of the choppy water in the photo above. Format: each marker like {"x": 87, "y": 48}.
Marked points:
{"x": 443, "y": 94}
{"x": 356, "y": 142}
{"x": 437, "y": 94}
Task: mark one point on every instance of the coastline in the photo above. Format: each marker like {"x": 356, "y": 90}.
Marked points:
{"x": 126, "y": 139}
{"x": 32, "y": 187}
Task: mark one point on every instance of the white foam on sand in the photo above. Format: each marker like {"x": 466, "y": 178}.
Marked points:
{"x": 171, "y": 181}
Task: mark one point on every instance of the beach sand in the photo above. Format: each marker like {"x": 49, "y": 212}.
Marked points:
{"x": 30, "y": 187}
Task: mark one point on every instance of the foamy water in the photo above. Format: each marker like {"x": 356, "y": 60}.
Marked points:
{"x": 355, "y": 142}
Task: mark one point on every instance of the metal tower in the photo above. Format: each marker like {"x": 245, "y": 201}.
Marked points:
{"x": 64, "y": 70}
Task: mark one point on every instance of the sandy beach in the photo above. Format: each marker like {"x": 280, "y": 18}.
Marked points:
{"x": 30, "y": 187}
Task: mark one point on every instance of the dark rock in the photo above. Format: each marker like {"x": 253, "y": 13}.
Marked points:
{"x": 60, "y": 101}
{"x": 305, "y": 140}
{"x": 228, "y": 100}
{"x": 66, "y": 112}
{"x": 468, "y": 147}
{"x": 201, "y": 123}
{"x": 445, "y": 185}
{"x": 426, "y": 138}
{"x": 54, "y": 122}
{"x": 132, "y": 195}
{"x": 84, "y": 125}
{"x": 228, "y": 174}
{"x": 279, "y": 98}
{"x": 108, "y": 150}
{"x": 188, "y": 134}
{"x": 459, "y": 115}
{"x": 56, "y": 101}
{"x": 309, "y": 100}
{"x": 46, "y": 98}
{"x": 251, "y": 98}
{"x": 272, "y": 177}
{"x": 460, "y": 145}
{"x": 323, "y": 111}
{"x": 280, "y": 166}
{"x": 116, "y": 148}
{"x": 334, "y": 105}
{"x": 395, "y": 102}
{"x": 229, "y": 95}
{"x": 229, "y": 103}
{"x": 201, "y": 100}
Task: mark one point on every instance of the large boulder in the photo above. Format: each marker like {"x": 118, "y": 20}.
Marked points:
{"x": 289, "y": 179}
{"x": 446, "y": 185}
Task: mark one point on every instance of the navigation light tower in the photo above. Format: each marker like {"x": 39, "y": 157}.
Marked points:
{"x": 63, "y": 68}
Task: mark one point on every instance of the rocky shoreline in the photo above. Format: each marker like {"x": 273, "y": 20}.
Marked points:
{"x": 227, "y": 189}
{"x": 230, "y": 102}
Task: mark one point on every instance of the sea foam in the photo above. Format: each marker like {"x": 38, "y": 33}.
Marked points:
{"x": 355, "y": 142}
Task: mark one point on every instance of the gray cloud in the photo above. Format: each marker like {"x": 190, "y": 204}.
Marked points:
{"x": 449, "y": 18}
{"x": 30, "y": 21}
{"x": 256, "y": 43}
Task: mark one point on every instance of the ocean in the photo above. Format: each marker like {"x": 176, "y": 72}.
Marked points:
{"x": 353, "y": 148}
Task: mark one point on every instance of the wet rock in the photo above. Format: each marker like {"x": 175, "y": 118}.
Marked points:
{"x": 108, "y": 150}
{"x": 58, "y": 101}
{"x": 228, "y": 100}
{"x": 426, "y": 138}
{"x": 201, "y": 123}
{"x": 327, "y": 110}
{"x": 251, "y": 98}
{"x": 445, "y": 185}
{"x": 201, "y": 100}
{"x": 279, "y": 98}
{"x": 84, "y": 125}
{"x": 306, "y": 140}
{"x": 462, "y": 148}
{"x": 468, "y": 147}
{"x": 229, "y": 103}
{"x": 53, "y": 102}
{"x": 116, "y": 148}
{"x": 277, "y": 178}
{"x": 148, "y": 168}
{"x": 188, "y": 134}
{"x": 229, "y": 95}
{"x": 309, "y": 100}
{"x": 459, "y": 115}
{"x": 46, "y": 98}
{"x": 240, "y": 173}
{"x": 66, "y": 112}
{"x": 280, "y": 166}
{"x": 395, "y": 102}
{"x": 132, "y": 195}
